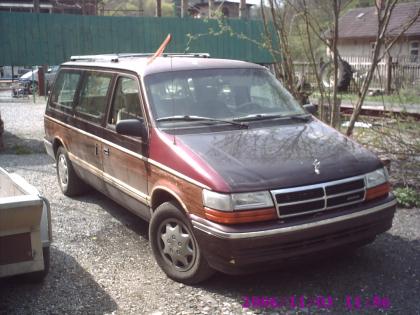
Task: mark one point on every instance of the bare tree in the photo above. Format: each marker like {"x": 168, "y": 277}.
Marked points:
{"x": 284, "y": 16}
{"x": 284, "y": 60}
{"x": 211, "y": 8}
{"x": 384, "y": 9}
{"x": 335, "y": 113}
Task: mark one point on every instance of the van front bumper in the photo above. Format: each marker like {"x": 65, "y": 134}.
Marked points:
{"x": 237, "y": 249}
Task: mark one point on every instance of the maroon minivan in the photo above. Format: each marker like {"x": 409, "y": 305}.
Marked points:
{"x": 229, "y": 169}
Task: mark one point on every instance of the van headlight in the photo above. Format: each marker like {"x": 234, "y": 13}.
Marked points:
{"x": 239, "y": 201}
{"x": 377, "y": 185}
{"x": 376, "y": 178}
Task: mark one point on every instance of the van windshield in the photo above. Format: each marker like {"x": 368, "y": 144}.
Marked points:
{"x": 183, "y": 97}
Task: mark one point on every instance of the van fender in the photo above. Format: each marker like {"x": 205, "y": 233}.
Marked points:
{"x": 56, "y": 144}
{"x": 172, "y": 192}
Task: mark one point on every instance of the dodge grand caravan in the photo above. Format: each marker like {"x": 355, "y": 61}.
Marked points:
{"x": 230, "y": 171}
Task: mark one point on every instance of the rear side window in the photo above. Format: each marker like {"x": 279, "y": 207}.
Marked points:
{"x": 93, "y": 96}
{"x": 65, "y": 89}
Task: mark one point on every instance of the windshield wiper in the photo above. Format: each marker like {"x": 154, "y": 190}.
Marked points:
{"x": 272, "y": 116}
{"x": 304, "y": 117}
{"x": 258, "y": 117}
{"x": 198, "y": 118}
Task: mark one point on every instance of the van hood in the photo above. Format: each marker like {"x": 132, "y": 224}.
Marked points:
{"x": 280, "y": 156}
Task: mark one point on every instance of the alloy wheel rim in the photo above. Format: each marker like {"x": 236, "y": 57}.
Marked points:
{"x": 176, "y": 245}
{"x": 63, "y": 172}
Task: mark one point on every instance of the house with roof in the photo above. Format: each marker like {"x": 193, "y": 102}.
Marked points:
{"x": 229, "y": 9}
{"x": 358, "y": 29}
{"x": 84, "y": 7}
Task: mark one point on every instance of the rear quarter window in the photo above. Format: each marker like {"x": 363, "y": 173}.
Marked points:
{"x": 64, "y": 90}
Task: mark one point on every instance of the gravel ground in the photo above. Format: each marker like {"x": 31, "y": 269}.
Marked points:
{"x": 101, "y": 261}
{"x": 23, "y": 124}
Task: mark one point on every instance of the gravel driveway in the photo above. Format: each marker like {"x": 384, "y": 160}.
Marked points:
{"x": 101, "y": 261}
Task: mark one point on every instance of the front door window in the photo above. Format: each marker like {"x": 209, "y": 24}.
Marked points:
{"x": 126, "y": 102}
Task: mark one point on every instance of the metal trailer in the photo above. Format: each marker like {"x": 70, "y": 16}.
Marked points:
{"x": 25, "y": 229}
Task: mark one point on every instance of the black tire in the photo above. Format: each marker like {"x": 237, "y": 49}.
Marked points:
{"x": 70, "y": 184}
{"x": 345, "y": 74}
{"x": 39, "y": 276}
{"x": 33, "y": 87}
{"x": 180, "y": 256}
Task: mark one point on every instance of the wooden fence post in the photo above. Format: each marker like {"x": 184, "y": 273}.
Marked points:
{"x": 388, "y": 67}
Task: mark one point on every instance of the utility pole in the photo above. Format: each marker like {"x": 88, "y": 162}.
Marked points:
{"x": 184, "y": 8}
{"x": 36, "y": 6}
{"x": 242, "y": 9}
{"x": 159, "y": 8}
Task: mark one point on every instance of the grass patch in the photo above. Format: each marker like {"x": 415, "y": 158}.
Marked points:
{"x": 21, "y": 150}
{"x": 407, "y": 197}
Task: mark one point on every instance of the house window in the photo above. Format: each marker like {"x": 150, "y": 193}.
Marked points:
{"x": 414, "y": 51}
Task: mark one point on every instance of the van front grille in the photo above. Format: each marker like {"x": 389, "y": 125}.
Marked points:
{"x": 313, "y": 198}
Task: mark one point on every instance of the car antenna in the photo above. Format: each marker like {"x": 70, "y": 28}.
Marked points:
{"x": 161, "y": 49}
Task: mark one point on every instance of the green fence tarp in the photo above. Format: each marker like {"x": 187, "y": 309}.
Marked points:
{"x": 36, "y": 39}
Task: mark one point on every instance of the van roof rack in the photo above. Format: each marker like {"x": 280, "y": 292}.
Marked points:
{"x": 116, "y": 57}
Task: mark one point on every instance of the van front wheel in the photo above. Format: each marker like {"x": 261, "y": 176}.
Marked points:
{"x": 174, "y": 246}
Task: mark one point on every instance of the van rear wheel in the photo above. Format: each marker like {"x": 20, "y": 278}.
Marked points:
{"x": 174, "y": 246}
{"x": 70, "y": 183}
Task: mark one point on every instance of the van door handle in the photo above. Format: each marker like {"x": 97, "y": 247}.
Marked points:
{"x": 106, "y": 151}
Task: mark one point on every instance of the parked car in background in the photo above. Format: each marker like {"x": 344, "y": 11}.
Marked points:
{"x": 30, "y": 79}
{"x": 232, "y": 173}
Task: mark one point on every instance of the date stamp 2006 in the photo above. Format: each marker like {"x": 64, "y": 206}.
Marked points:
{"x": 352, "y": 303}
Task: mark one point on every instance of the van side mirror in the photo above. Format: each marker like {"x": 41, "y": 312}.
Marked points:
{"x": 310, "y": 108}
{"x": 132, "y": 127}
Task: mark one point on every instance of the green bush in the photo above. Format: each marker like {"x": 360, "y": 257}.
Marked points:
{"x": 407, "y": 197}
